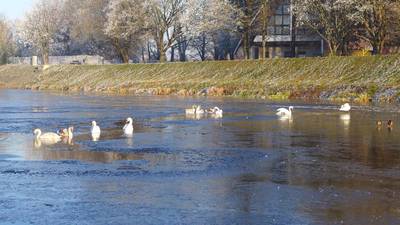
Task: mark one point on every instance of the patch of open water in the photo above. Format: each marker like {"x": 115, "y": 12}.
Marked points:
{"x": 320, "y": 167}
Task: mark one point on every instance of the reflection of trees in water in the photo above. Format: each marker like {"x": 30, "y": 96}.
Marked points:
{"x": 248, "y": 134}
{"x": 333, "y": 207}
{"x": 341, "y": 137}
{"x": 336, "y": 152}
{"x": 245, "y": 192}
{"x": 322, "y": 149}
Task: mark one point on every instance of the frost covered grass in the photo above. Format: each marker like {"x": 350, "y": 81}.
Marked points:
{"x": 338, "y": 78}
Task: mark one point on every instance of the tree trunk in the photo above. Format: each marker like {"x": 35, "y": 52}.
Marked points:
{"x": 148, "y": 51}
{"x": 246, "y": 45}
{"x": 124, "y": 55}
{"x": 202, "y": 48}
{"x": 3, "y": 59}
{"x": 163, "y": 57}
{"x": 216, "y": 53}
{"x": 45, "y": 57}
{"x": 143, "y": 58}
{"x": 172, "y": 54}
{"x": 264, "y": 30}
{"x": 333, "y": 48}
{"x": 182, "y": 46}
{"x": 161, "y": 49}
{"x": 382, "y": 47}
{"x": 203, "y": 53}
{"x": 377, "y": 47}
{"x": 264, "y": 46}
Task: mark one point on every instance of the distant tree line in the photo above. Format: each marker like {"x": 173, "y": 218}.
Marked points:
{"x": 181, "y": 30}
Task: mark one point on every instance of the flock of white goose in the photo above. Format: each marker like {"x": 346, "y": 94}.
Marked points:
{"x": 288, "y": 112}
{"x": 49, "y": 138}
{"x": 195, "y": 110}
{"x": 95, "y": 131}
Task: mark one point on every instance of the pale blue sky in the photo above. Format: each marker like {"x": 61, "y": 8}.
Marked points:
{"x": 15, "y": 9}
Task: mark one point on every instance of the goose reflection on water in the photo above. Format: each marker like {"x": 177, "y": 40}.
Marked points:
{"x": 81, "y": 155}
{"x": 38, "y": 143}
{"x": 286, "y": 119}
{"x": 40, "y": 109}
{"x": 345, "y": 118}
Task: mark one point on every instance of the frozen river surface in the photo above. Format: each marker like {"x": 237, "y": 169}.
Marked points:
{"x": 320, "y": 167}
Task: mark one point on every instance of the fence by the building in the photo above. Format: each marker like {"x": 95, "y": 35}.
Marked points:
{"x": 58, "y": 60}
{"x": 20, "y": 60}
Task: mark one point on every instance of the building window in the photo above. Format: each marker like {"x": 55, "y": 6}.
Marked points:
{"x": 280, "y": 21}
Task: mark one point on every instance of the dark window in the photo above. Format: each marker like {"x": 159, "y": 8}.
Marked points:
{"x": 280, "y": 21}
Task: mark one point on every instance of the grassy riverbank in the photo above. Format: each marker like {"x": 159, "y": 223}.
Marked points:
{"x": 336, "y": 78}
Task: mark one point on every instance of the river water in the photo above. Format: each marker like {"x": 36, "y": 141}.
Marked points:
{"x": 250, "y": 167}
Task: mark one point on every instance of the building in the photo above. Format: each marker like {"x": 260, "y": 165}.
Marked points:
{"x": 284, "y": 38}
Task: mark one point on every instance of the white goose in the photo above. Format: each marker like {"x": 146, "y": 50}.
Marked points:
{"x": 66, "y": 132}
{"x": 285, "y": 112}
{"x": 191, "y": 111}
{"x": 199, "y": 110}
{"x": 217, "y": 112}
{"x": 345, "y": 107}
{"x": 95, "y": 131}
{"x": 195, "y": 110}
{"x": 128, "y": 128}
{"x": 47, "y": 138}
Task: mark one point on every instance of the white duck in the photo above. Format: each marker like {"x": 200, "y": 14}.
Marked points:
{"x": 345, "y": 107}
{"x": 285, "y": 112}
{"x": 128, "y": 128}
{"x": 47, "y": 138}
{"x": 95, "y": 131}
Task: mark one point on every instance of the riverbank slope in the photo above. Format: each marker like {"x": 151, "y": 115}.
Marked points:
{"x": 336, "y": 78}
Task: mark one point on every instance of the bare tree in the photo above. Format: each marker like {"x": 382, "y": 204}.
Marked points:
{"x": 249, "y": 12}
{"x": 207, "y": 19}
{"x": 202, "y": 46}
{"x": 331, "y": 19}
{"x": 379, "y": 20}
{"x": 6, "y": 41}
{"x": 41, "y": 25}
{"x": 163, "y": 21}
{"x": 87, "y": 20}
{"x": 125, "y": 26}
{"x": 87, "y": 17}
{"x": 183, "y": 42}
